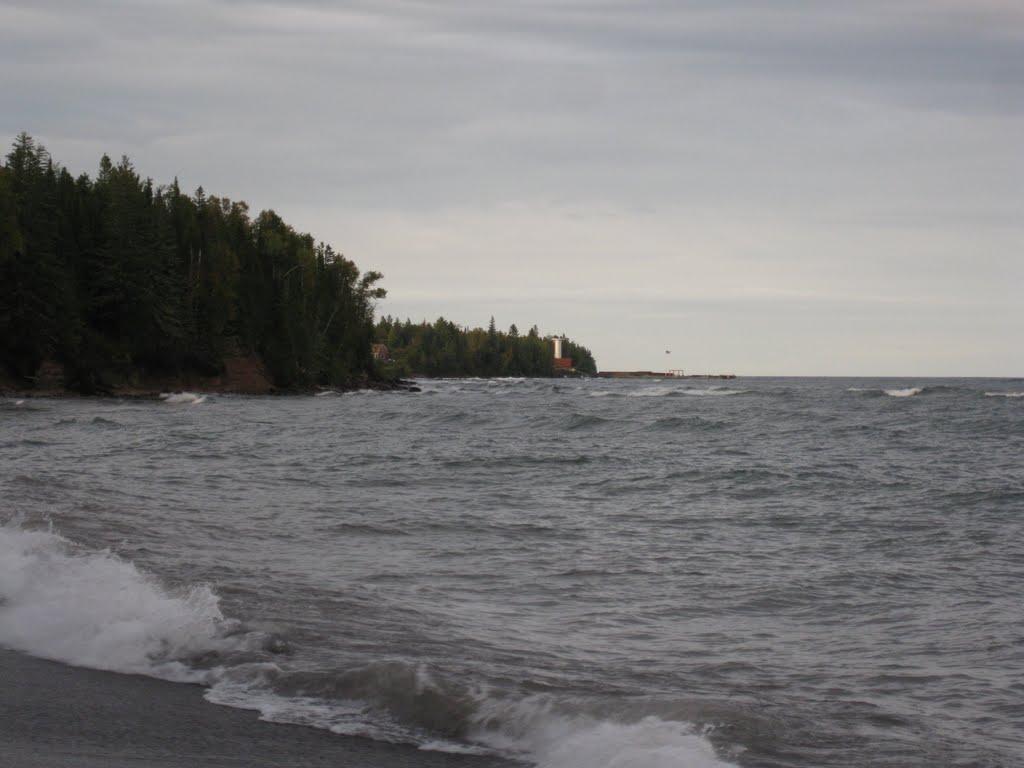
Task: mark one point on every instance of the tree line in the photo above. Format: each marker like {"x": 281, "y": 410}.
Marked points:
{"x": 115, "y": 279}
{"x": 114, "y": 276}
{"x": 443, "y": 348}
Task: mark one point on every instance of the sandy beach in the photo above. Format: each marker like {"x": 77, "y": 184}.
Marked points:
{"x": 57, "y": 716}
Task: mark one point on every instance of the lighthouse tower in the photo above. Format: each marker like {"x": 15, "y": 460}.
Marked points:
{"x": 562, "y": 364}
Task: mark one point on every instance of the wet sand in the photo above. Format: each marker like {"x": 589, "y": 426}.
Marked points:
{"x": 53, "y": 715}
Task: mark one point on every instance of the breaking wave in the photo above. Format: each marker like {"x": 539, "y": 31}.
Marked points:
{"x": 691, "y": 392}
{"x": 55, "y": 602}
{"x": 183, "y": 398}
{"x": 400, "y": 702}
{"x": 585, "y": 742}
{"x": 895, "y": 392}
{"x": 906, "y": 392}
{"x": 1004, "y": 394}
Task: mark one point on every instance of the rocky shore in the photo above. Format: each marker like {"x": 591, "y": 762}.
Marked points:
{"x": 241, "y": 376}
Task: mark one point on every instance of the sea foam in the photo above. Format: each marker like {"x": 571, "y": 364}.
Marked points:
{"x": 183, "y": 398}
{"x": 538, "y": 730}
{"x": 664, "y": 391}
{"x": 94, "y": 609}
{"x": 907, "y": 392}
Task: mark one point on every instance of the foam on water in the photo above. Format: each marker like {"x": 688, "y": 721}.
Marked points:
{"x": 892, "y": 392}
{"x": 712, "y": 391}
{"x": 537, "y": 729}
{"x": 652, "y": 392}
{"x": 345, "y": 717}
{"x": 94, "y": 609}
{"x": 183, "y": 398}
{"x": 533, "y": 729}
{"x": 664, "y": 391}
{"x": 907, "y": 392}
{"x": 557, "y": 596}
{"x": 649, "y": 743}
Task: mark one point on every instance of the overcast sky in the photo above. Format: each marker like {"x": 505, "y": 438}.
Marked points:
{"x": 790, "y": 187}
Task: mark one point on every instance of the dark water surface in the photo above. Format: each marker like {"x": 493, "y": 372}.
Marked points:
{"x": 761, "y": 572}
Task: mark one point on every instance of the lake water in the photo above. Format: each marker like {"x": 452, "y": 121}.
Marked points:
{"x": 566, "y": 573}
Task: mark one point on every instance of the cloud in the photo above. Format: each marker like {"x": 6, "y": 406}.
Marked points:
{"x": 567, "y": 156}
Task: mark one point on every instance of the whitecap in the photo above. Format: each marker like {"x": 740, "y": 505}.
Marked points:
{"x": 183, "y": 398}
{"x": 1004, "y": 394}
{"x": 57, "y": 605}
{"x": 535, "y": 730}
{"x": 713, "y": 391}
{"x": 652, "y": 392}
{"x": 907, "y": 392}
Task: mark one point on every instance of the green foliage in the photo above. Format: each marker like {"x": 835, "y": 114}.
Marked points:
{"x": 114, "y": 277}
{"x": 442, "y": 348}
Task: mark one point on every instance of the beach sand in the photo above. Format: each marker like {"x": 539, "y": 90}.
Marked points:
{"x": 55, "y": 715}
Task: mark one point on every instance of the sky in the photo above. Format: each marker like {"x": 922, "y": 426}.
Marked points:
{"x": 759, "y": 187}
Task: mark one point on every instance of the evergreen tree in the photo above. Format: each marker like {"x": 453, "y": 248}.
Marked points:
{"x": 115, "y": 278}
{"x": 442, "y": 348}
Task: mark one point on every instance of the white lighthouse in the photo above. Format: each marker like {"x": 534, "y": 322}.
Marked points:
{"x": 558, "y": 346}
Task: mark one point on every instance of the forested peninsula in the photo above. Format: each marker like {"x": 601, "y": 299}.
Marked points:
{"x": 113, "y": 285}
{"x": 443, "y": 348}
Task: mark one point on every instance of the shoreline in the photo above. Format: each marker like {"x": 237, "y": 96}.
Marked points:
{"x": 242, "y": 375}
{"x": 54, "y": 715}
{"x": 157, "y": 393}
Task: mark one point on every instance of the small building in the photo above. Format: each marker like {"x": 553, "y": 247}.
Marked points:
{"x": 380, "y": 353}
{"x": 562, "y": 364}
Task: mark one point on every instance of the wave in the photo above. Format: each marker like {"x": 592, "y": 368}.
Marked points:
{"x": 55, "y": 602}
{"x": 501, "y": 385}
{"x": 712, "y": 391}
{"x": 1004, "y": 394}
{"x": 896, "y": 392}
{"x": 906, "y": 392}
{"x": 676, "y": 423}
{"x": 365, "y": 529}
{"x": 585, "y": 421}
{"x": 99, "y": 421}
{"x": 685, "y": 392}
{"x": 20, "y": 404}
{"x": 534, "y": 729}
{"x": 652, "y": 392}
{"x": 183, "y": 398}
{"x": 541, "y": 729}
